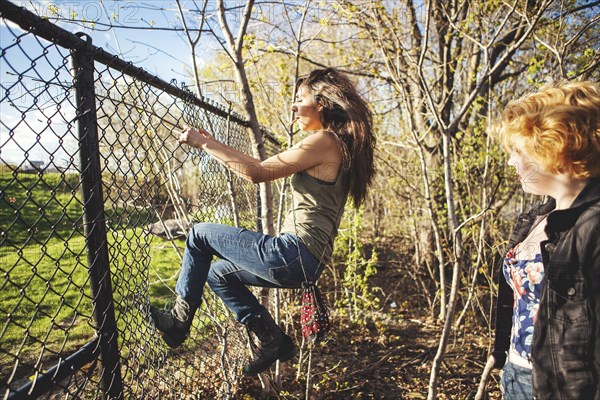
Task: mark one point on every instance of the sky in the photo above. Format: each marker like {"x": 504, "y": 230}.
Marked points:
{"x": 36, "y": 108}
{"x": 162, "y": 52}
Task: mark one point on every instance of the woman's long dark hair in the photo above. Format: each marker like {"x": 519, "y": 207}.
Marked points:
{"x": 348, "y": 116}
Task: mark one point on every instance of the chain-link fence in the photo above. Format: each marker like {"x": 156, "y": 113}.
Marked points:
{"x": 95, "y": 197}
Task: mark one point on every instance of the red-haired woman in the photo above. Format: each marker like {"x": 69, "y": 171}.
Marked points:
{"x": 548, "y": 314}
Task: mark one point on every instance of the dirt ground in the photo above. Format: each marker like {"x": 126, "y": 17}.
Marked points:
{"x": 389, "y": 357}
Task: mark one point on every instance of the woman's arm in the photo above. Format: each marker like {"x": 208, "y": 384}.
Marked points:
{"x": 503, "y": 328}
{"x": 317, "y": 149}
{"x": 593, "y": 263}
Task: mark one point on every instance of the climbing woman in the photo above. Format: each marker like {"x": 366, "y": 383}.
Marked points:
{"x": 335, "y": 160}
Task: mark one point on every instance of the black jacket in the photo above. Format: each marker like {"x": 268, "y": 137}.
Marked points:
{"x": 566, "y": 338}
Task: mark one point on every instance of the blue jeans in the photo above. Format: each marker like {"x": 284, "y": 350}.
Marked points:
{"x": 516, "y": 382}
{"x": 246, "y": 258}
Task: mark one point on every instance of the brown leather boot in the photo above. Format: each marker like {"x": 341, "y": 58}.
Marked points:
{"x": 273, "y": 344}
{"x": 174, "y": 324}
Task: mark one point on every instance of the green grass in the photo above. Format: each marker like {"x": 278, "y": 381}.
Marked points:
{"x": 34, "y": 208}
{"x": 45, "y": 300}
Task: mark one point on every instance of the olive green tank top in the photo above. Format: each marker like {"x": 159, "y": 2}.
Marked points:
{"x": 318, "y": 208}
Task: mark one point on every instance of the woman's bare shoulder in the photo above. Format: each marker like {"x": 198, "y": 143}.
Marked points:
{"x": 322, "y": 138}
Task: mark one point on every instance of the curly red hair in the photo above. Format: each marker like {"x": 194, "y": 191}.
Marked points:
{"x": 558, "y": 126}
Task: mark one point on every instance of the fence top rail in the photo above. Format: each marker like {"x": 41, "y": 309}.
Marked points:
{"x": 30, "y": 22}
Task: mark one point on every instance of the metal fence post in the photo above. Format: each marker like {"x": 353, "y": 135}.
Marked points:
{"x": 95, "y": 222}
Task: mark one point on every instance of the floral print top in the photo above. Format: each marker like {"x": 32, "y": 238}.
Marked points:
{"x": 525, "y": 277}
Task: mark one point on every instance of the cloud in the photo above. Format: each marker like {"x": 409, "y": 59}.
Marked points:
{"x": 47, "y": 135}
